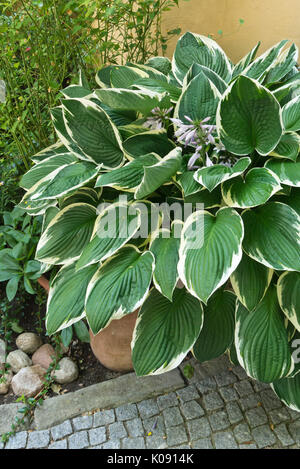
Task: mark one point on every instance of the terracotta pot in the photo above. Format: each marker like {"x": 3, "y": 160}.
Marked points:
{"x": 112, "y": 345}
{"x": 44, "y": 283}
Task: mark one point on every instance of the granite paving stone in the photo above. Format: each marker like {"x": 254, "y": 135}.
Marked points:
{"x": 221, "y": 408}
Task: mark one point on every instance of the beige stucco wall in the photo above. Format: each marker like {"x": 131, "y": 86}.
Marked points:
{"x": 266, "y": 20}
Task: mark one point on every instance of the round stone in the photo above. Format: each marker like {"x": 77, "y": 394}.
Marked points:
{"x": 18, "y": 360}
{"x": 29, "y": 381}
{"x": 28, "y": 342}
{"x": 67, "y": 371}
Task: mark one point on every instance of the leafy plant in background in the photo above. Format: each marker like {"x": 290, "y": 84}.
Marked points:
{"x": 196, "y": 130}
{"x": 19, "y": 236}
{"x": 44, "y": 43}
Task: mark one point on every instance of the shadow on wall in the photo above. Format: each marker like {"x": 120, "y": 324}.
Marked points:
{"x": 267, "y": 21}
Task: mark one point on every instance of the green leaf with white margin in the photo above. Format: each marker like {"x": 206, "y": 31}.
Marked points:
{"x": 165, "y": 332}
{"x": 188, "y": 183}
{"x": 160, "y": 85}
{"x": 245, "y": 61}
{"x": 68, "y": 179}
{"x": 153, "y": 141}
{"x": 161, "y": 64}
{"x": 194, "y": 48}
{"x": 85, "y": 195}
{"x": 67, "y": 234}
{"x": 288, "y": 147}
{"x": 199, "y": 100}
{"x": 114, "y": 227}
{"x": 165, "y": 247}
{"x": 210, "y": 177}
{"x": 129, "y": 100}
{"x": 288, "y": 390}
{"x": 159, "y": 173}
{"x": 291, "y": 115}
{"x": 118, "y": 287}
{"x": 56, "y": 149}
{"x": 45, "y": 167}
{"x": 65, "y": 303}
{"x": 250, "y": 281}
{"x": 293, "y": 200}
{"x": 251, "y": 190}
{"x": 283, "y": 64}
{"x": 217, "y": 333}
{"x": 261, "y": 340}
{"x": 57, "y": 116}
{"x": 75, "y": 91}
{"x": 123, "y": 76}
{"x": 210, "y": 250}
{"x": 93, "y": 132}
{"x": 288, "y": 291}
{"x": 36, "y": 207}
{"x": 288, "y": 172}
{"x": 197, "y": 69}
{"x": 272, "y": 236}
{"x": 260, "y": 66}
{"x": 208, "y": 199}
{"x": 249, "y": 118}
{"x": 129, "y": 176}
{"x": 49, "y": 214}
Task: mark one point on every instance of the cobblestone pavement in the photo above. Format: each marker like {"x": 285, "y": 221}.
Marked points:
{"x": 227, "y": 411}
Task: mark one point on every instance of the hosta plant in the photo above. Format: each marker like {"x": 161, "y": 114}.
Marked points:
{"x": 207, "y": 151}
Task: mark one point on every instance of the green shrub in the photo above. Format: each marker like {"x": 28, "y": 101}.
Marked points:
{"x": 206, "y": 136}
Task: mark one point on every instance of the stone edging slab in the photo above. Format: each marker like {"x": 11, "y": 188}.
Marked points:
{"x": 125, "y": 389}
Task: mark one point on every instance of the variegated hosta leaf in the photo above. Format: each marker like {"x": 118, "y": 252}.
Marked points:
{"x": 205, "y": 199}
{"x": 37, "y": 207}
{"x": 159, "y": 173}
{"x": 114, "y": 227}
{"x": 118, "y": 287}
{"x": 93, "y": 132}
{"x": 103, "y": 76}
{"x": 288, "y": 290}
{"x": 154, "y": 141}
{"x": 293, "y": 199}
{"x": 288, "y": 147}
{"x": 260, "y": 66}
{"x": 75, "y": 91}
{"x": 49, "y": 214}
{"x": 161, "y": 64}
{"x": 189, "y": 184}
{"x": 291, "y": 115}
{"x": 199, "y": 100}
{"x": 255, "y": 188}
{"x": 124, "y": 77}
{"x": 261, "y": 340}
{"x": 57, "y": 116}
{"x": 282, "y": 65}
{"x": 245, "y": 61}
{"x": 250, "y": 281}
{"x": 129, "y": 176}
{"x": 165, "y": 332}
{"x": 217, "y": 333}
{"x": 249, "y": 118}
{"x": 197, "y": 69}
{"x": 56, "y": 149}
{"x": 193, "y": 48}
{"x": 210, "y": 177}
{"x": 210, "y": 250}
{"x": 129, "y": 100}
{"x": 66, "y": 297}
{"x": 165, "y": 247}
{"x": 288, "y": 390}
{"x": 85, "y": 195}
{"x": 67, "y": 234}
{"x": 151, "y": 218}
{"x": 288, "y": 172}
{"x": 160, "y": 85}
{"x": 68, "y": 179}
{"x": 272, "y": 236}
{"x": 45, "y": 167}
